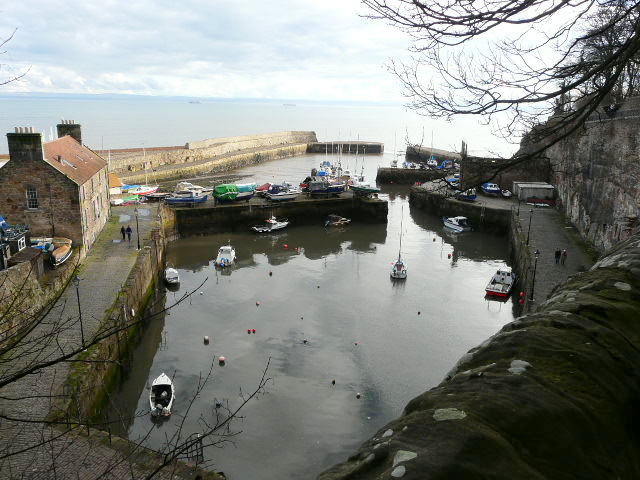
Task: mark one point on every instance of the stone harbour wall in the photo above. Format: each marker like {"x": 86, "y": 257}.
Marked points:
{"x": 553, "y": 394}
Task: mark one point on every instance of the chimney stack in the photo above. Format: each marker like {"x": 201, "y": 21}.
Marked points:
{"x": 70, "y": 127}
{"x": 24, "y": 144}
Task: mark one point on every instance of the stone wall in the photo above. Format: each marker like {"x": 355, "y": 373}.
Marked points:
{"x": 123, "y": 162}
{"x": 409, "y": 176}
{"x": 554, "y": 394}
{"x": 94, "y": 205}
{"x": 597, "y": 176}
{"x": 478, "y": 170}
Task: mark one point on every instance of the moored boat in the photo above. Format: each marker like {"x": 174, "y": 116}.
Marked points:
{"x": 246, "y": 191}
{"x": 336, "y": 221}
{"x": 157, "y": 195}
{"x": 506, "y": 193}
{"x": 432, "y": 162}
{"x": 501, "y": 283}
{"x": 399, "y": 269}
{"x": 171, "y": 276}
{"x": 61, "y": 254}
{"x": 272, "y": 224}
{"x": 458, "y": 224}
{"x": 143, "y": 190}
{"x": 225, "y": 192}
{"x": 468, "y": 195}
{"x": 226, "y": 256}
{"x": 161, "y": 396}
{"x": 186, "y": 197}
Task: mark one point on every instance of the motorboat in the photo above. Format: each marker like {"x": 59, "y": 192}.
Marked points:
{"x": 458, "y": 224}
{"x": 226, "y": 256}
{"x": 394, "y": 164}
{"x": 246, "y": 191}
{"x": 225, "y": 192}
{"x": 58, "y": 248}
{"x": 143, "y": 190}
{"x": 157, "y": 195}
{"x": 501, "y": 283}
{"x": 336, "y": 221}
{"x": 361, "y": 187}
{"x": 271, "y": 225}
{"x": 162, "y": 396}
{"x": 468, "y": 195}
{"x": 432, "y": 162}
{"x": 506, "y": 193}
{"x": 283, "y": 192}
{"x": 186, "y": 197}
{"x": 445, "y": 164}
{"x": 171, "y": 276}
{"x": 263, "y": 189}
{"x": 184, "y": 186}
{"x": 491, "y": 189}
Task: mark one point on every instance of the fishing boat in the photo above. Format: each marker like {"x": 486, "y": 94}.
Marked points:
{"x": 490, "y": 189}
{"x": 501, "y": 283}
{"x": 457, "y": 224}
{"x": 143, "y": 190}
{"x": 171, "y": 276}
{"x": 186, "y": 197}
{"x": 468, "y": 195}
{"x": 336, "y": 221}
{"x": 399, "y": 268}
{"x": 226, "y": 256}
{"x": 161, "y": 396}
{"x": 272, "y": 224}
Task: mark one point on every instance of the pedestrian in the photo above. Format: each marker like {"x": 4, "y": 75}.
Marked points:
{"x": 129, "y": 232}
{"x": 564, "y": 256}
{"x": 557, "y": 255}
{"x": 123, "y": 232}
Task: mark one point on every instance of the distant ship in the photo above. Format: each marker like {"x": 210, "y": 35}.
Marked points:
{"x": 194, "y": 101}
{"x": 288, "y": 104}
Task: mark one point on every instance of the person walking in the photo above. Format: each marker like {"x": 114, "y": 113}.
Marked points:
{"x": 123, "y": 232}
{"x": 564, "y": 256}
{"x": 129, "y": 231}
{"x": 557, "y": 255}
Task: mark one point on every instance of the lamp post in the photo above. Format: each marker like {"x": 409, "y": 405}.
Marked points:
{"x": 535, "y": 266}
{"x": 529, "y": 230}
{"x": 138, "y": 227}
{"x": 76, "y": 283}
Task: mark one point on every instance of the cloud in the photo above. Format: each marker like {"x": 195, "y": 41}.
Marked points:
{"x": 316, "y": 49}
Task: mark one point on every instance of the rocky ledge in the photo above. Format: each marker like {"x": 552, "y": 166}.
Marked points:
{"x": 554, "y": 394}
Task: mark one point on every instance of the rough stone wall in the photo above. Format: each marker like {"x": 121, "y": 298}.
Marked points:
{"x": 94, "y": 205}
{"x": 58, "y": 212}
{"x": 553, "y": 395}
{"x": 597, "y": 176}
{"x": 477, "y": 170}
{"x": 124, "y": 162}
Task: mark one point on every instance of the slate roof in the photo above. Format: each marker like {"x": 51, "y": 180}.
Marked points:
{"x": 75, "y": 161}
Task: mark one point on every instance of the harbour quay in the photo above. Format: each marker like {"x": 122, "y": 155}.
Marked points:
{"x": 409, "y": 176}
{"x": 359, "y": 147}
{"x": 211, "y": 217}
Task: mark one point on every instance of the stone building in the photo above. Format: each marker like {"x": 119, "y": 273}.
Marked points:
{"x": 59, "y": 188}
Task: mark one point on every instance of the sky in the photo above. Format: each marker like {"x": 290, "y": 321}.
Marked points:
{"x": 298, "y": 49}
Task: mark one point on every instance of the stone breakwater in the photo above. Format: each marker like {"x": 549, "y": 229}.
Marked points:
{"x": 553, "y": 394}
{"x": 217, "y": 154}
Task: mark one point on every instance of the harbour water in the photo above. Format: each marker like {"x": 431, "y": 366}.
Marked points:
{"x": 387, "y": 340}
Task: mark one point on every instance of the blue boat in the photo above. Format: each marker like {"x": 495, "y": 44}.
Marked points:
{"x": 468, "y": 195}
{"x": 186, "y": 197}
{"x": 445, "y": 164}
{"x": 489, "y": 188}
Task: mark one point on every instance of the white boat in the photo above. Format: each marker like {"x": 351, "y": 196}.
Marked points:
{"x": 458, "y": 224}
{"x": 171, "y": 276}
{"x": 161, "y": 396}
{"x": 394, "y": 164}
{"x": 188, "y": 186}
{"x": 399, "y": 269}
{"x": 284, "y": 195}
{"x": 143, "y": 190}
{"x": 501, "y": 283}
{"x": 226, "y": 256}
{"x": 506, "y": 193}
{"x": 271, "y": 225}
{"x": 432, "y": 162}
{"x": 336, "y": 221}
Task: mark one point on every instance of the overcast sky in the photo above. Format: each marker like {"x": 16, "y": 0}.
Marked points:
{"x": 299, "y": 49}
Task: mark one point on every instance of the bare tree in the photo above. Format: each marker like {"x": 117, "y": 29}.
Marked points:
{"x": 8, "y": 76}
{"x": 516, "y": 62}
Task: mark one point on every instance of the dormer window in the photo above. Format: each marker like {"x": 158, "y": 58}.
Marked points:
{"x": 32, "y": 198}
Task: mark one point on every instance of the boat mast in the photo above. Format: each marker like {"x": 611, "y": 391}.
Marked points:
{"x": 144, "y": 162}
{"x": 401, "y": 219}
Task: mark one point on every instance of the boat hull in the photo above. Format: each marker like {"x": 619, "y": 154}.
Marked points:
{"x": 61, "y": 255}
{"x": 189, "y": 200}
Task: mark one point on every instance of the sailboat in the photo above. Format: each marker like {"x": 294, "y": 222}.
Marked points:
{"x": 145, "y": 189}
{"x": 399, "y": 269}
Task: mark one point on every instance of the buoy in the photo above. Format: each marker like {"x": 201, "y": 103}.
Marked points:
{"x": 201, "y": 293}
{"x": 218, "y": 404}
{"x": 333, "y": 382}
{"x": 355, "y": 343}
{"x": 257, "y": 303}
{"x": 286, "y": 245}
{"x": 418, "y": 313}
{"x": 253, "y": 330}
{"x": 221, "y": 360}
{"x": 305, "y": 340}
{"x": 206, "y": 340}
{"x": 318, "y": 286}
{"x": 301, "y": 318}
{"x": 270, "y": 273}
{"x": 248, "y": 330}
{"x": 434, "y": 239}
{"x": 358, "y": 395}
{"x": 449, "y": 256}
{"x": 521, "y": 301}
{"x": 522, "y": 294}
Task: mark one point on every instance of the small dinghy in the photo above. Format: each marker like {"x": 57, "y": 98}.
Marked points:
{"x": 226, "y": 256}
{"x": 171, "y": 276}
{"x": 161, "y": 396}
{"x": 271, "y": 225}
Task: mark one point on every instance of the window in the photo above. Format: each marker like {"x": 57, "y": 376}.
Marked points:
{"x": 22, "y": 243}
{"x": 32, "y": 198}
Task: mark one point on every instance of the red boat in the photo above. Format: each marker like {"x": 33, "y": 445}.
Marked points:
{"x": 501, "y": 283}
{"x": 262, "y": 189}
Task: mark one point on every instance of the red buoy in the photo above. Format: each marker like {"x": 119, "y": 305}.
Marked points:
{"x": 522, "y": 294}
{"x": 286, "y": 245}
{"x": 248, "y": 330}
{"x": 253, "y": 330}
{"x": 521, "y": 301}
{"x": 449, "y": 256}
{"x": 222, "y": 360}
